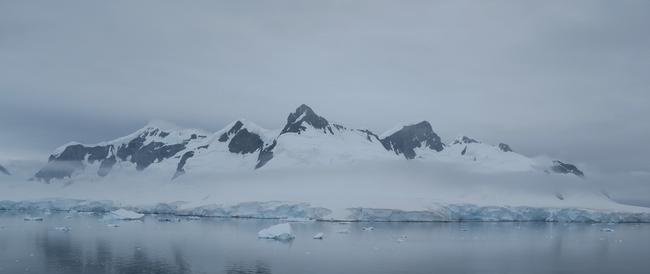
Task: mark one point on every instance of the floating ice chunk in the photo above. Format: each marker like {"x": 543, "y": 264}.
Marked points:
{"x": 367, "y": 228}
{"x": 63, "y": 228}
{"x": 123, "y": 214}
{"x": 606, "y": 229}
{"x": 194, "y": 218}
{"x": 113, "y": 225}
{"x": 31, "y": 218}
{"x": 281, "y": 232}
{"x": 319, "y": 236}
{"x": 401, "y": 238}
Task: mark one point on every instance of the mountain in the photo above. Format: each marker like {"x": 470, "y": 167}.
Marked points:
{"x": 4, "y": 171}
{"x": 306, "y": 140}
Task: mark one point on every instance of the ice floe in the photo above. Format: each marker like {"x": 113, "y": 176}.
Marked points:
{"x": 281, "y": 232}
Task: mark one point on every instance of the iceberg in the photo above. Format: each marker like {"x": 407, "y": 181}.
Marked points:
{"x": 319, "y": 236}
{"x": 281, "y": 232}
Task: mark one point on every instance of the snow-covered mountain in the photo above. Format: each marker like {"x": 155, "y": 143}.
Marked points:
{"x": 306, "y": 140}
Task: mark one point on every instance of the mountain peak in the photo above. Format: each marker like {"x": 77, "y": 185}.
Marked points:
{"x": 305, "y": 115}
{"x": 406, "y": 139}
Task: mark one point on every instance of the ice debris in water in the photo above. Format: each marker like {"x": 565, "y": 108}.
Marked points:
{"x": 123, "y": 214}
{"x": 113, "y": 225}
{"x": 281, "y": 232}
{"x": 63, "y": 228}
{"x": 367, "y": 228}
{"x": 170, "y": 220}
{"x": 31, "y": 218}
{"x": 606, "y": 229}
{"x": 319, "y": 236}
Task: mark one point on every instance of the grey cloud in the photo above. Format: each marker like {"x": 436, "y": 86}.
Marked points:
{"x": 563, "y": 78}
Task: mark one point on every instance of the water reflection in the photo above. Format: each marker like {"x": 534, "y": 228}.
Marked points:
{"x": 246, "y": 268}
{"x": 231, "y": 247}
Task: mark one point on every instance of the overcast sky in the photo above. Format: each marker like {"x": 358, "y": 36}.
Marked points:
{"x": 569, "y": 79}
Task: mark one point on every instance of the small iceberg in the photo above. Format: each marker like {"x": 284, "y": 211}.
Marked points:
{"x": 281, "y": 232}
{"x": 319, "y": 236}
{"x": 607, "y": 229}
{"x": 63, "y": 228}
{"x": 123, "y": 214}
{"x": 367, "y": 228}
{"x": 31, "y": 218}
{"x": 113, "y": 225}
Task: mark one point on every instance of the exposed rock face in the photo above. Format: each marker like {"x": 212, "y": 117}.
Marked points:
{"x": 242, "y": 141}
{"x": 232, "y": 131}
{"x": 410, "y": 137}
{"x": 305, "y": 115}
{"x": 71, "y": 159}
{"x": 370, "y": 135}
{"x": 245, "y": 142}
{"x": 179, "y": 168}
{"x": 564, "y": 168}
{"x": 504, "y": 147}
{"x": 74, "y": 157}
{"x": 3, "y": 170}
{"x": 265, "y": 155}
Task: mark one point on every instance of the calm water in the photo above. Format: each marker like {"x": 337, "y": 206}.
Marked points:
{"x": 212, "y": 245}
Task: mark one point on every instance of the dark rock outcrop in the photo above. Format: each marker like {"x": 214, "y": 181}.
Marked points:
{"x": 71, "y": 160}
{"x": 181, "y": 164}
{"x": 3, "y": 170}
{"x": 504, "y": 147}
{"x": 564, "y": 168}
{"x": 371, "y": 136}
{"x": 305, "y": 115}
{"x": 405, "y": 140}
{"x": 465, "y": 140}
{"x": 245, "y": 142}
{"x": 233, "y": 130}
{"x": 265, "y": 155}
{"x": 74, "y": 157}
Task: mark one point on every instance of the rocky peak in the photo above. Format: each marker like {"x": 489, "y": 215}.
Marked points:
{"x": 504, "y": 147}
{"x": 405, "y": 140}
{"x": 465, "y": 140}
{"x": 564, "y": 168}
{"x": 305, "y": 115}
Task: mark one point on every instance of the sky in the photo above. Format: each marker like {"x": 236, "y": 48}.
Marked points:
{"x": 567, "y": 79}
